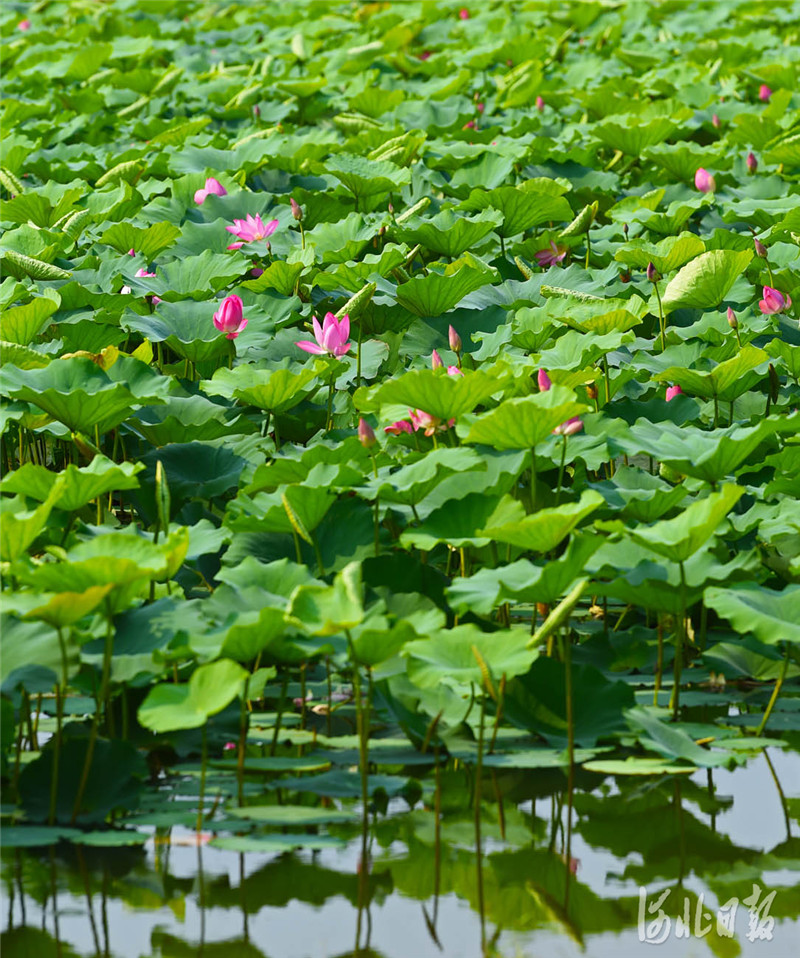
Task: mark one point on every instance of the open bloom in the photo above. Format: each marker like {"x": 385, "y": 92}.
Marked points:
{"x": 553, "y": 254}
{"x": 673, "y": 391}
{"x": 764, "y": 92}
{"x": 331, "y": 336}
{"x": 399, "y": 427}
{"x": 704, "y": 181}
{"x": 251, "y": 230}
{"x": 212, "y": 186}
{"x": 429, "y": 424}
{"x": 570, "y": 427}
{"x": 774, "y": 302}
{"x": 228, "y": 318}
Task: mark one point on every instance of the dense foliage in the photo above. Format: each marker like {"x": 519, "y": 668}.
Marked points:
{"x": 383, "y": 382}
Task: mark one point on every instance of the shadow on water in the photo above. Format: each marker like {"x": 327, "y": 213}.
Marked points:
{"x": 570, "y": 864}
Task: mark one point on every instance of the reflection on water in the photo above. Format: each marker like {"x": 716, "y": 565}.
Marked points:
{"x": 540, "y": 887}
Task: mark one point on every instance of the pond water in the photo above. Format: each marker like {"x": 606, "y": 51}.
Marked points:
{"x": 705, "y": 839}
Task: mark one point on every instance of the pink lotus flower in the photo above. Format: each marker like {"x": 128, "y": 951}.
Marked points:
{"x": 469, "y": 125}
{"x": 425, "y": 54}
{"x": 570, "y": 427}
{"x": 752, "y": 162}
{"x": 453, "y": 339}
{"x": 131, "y": 252}
{"x": 228, "y": 318}
{"x": 715, "y": 121}
{"x": 331, "y": 336}
{"x": 704, "y": 181}
{"x": 24, "y": 25}
{"x": 366, "y": 434}
{"x": 540, "y": 104}
{"x": 229, "y": 746}
{"x": 212, "y": 186}
{"x": 436, "y": 360}
{"x": 256, "y": 271}
{"x": 399, "y": 427}
{"x": 142, "y": 273}
{"x": 774, "y": 302}
{"x": 454, "y": 371}
{"x": 251, "y": 230}
{"x": 673, "y": 391}
{"x": 480, "y": 107}
{"x": 764, "y": 93}
{"x": 551, "y": 255}
{"x": 429, "y": 424}
{"x": 543, "y": 380}
{"x": 463, "y": 13}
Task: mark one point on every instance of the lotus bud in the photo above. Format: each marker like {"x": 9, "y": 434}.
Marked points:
{"x": 454, "y": 339}
{"x": 704, "y": 181}
{"x": 752, "y": 162}
{"x": 436, "y": 360}
{"x": 625, "y": 229}
{"x": 257, "y": 110}
{"x": 652, "y": 273}
{"x": 715, "y": 121}
{"x": 733, "y": 322}
{"x": 366, "y": 434}
{"x": 764, "y": 93}
{"x": 543, "y": 380}
{"x": 673, "y": 391}
{"x": 540, "y": 104}
{"x": 761, "y": 250}
{"x": 24, "y": 25}
{"x": 480, "y": 107}
{"x": 297, "y": 212}
{"x": 463, "y": 14}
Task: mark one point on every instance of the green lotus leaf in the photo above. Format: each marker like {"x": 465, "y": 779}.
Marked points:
{"x": 274, "y": 391}
{"x": 666, "y": 255}
{"x": 704, "y": 282}
{"x": 543, "y": 530}
{"x": 147, "y": 242}
{"x": 436, "y": 293}
{"x": 447, "y": 656}
{"x": 211, "y": 688}
{"x": 679, "y": 538}
{"x": 434, "y": 392}
{"x": 22, "y": 324}
{"x": 21, "y": 526}
{"x": 522, "y": 423}
{"x": 727, "y": 381}
{"x": 448, "y": 234}
{"x": 770, "y": 615}
{"x": 79, "y": 485}
{"x": 522, "y": 209}
{"x": 329, "y": 609}
{"x": 363, "y": 177}
{"x": 411, "y": 484}
{"x": 280, "y": 276}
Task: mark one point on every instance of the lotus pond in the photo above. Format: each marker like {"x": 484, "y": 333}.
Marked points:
{"x": 400, "y": 479}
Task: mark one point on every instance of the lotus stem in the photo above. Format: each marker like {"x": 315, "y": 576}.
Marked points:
{"x": 242, "y": 742}
{"x": 202, "y": 795}
{"x": 661, "y": 319}
{"x": 477, "y": 815}
{"x": 679, "y": 640}
{"x": 775, "y": 692}
{"x": 561, "y": 468}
